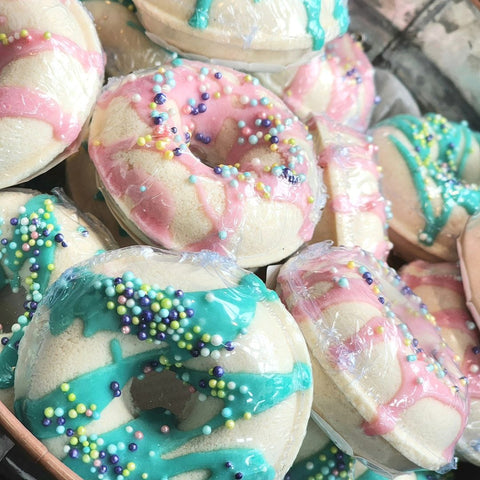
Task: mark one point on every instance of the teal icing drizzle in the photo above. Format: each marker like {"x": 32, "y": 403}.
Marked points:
{"x": 34, "y": 241}
{"x": 184, "y": 325}
{"x": 327, "y": 462}
{"x": 200, "y": 18}
{"x": 454, "y": 142}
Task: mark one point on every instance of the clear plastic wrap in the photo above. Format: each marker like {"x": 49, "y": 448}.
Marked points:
{"x": 386, "y": 387}
{"x": 51, "y": 72}
{"x": 123, "y": 38}
{"x": 431, "y": 175}
{"x": 441, "y": 288}
{"x": 186, "y": 360}
{"x": 260, "y": 35}
{"x": 42, "y": 235}
{"x": 81, "y": 187}
{"x": 469, "y": 254}
{"x": 339, "y": 83}
{"x": 356, "y": 212}
{"x": 191, "y": 157}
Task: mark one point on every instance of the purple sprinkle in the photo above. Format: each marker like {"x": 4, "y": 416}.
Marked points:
{"x": 64, "y": 244}
{"x": 113, "y": 459}
{"x": 274, "y": 139}
{"x": 266, "y": 123}
{"x": 476, "y": 349}
{"x": 69, "y": 432}
{"x": 59, "y": 238}
{"x": 177, "y": 152}
{"x": 160, "y": 336}
{"x": 14, "y": 221}
{"x": 228, "y": 464}
{"x": 128, "y": 292}
{"x": 126, "y": 319}
{"x": 369, "y": 280}
{"x": 118, "y": 280}
{"x": 142, "y": 336}
{"x": 179, "y": 293}
{"x": 190, "y": 312}
{"x": 147, "y": 316}
{"x": 46, "y": 422}
{"x": 160, "y": 98}
{"x": 74, "y": 453}
{"x": 117, "y": 393}
{"x": 61, "y": 421}
{"x": 36, "y": 252}
{"x": 174, "y": 130}
{"x": 4, "y": 241}
{"x": 118, "y": 470}
{"x": 5, "y": 340}
{"x": 157, "y": 120}
{"x": 145, "y": 301}
{"x": 194, "y": 111}
{"x": 217, "y": 170}
{"x": 102, "y": 454}
{"x": 205, "y": 96}
{"x": 114, "y": 386}
{"x": 202, "y": 383}
{"x": 218, "y": 75}
{"x": 132, "y": 447}
{"x": 381, "y": 300}
{"x": 202, "y": 108}
{"x": 229, "y": 346}
{"x": 238, "y": 475}
{"x": 218, "y": 371}
{"x": 102, "y": 469}
{"x": 195, "y": 353}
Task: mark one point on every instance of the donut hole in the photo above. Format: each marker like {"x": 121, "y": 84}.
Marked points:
{"x": 164, "y": 390}
{"x": 208, "y": 158}
{"x": 12, "y": 307}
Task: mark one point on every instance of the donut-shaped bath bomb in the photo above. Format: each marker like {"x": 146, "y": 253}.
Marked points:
{"x": 123, "y": 38}
{"x": 194, "y": 157}
{"x": 251, "y": 35}
{"x": 441, "y": 288}
{"x": 431, "y": 175}
{"x": 386, "y": 388}
{"x": 339, "y": 83}
{"x": 131, "y": 325}
{"x": 41, "y": 236}
{"x": 81, "y": 186}
{"x": 469, "y": 253}
{"x": 51, "y": 72}
{"x": 356, "y": 212}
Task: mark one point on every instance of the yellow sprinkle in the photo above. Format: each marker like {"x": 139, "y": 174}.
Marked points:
{"x": 48, "y": 243}
{"x": 351, "y": 264}
{"x": 376, "y": 290}
{"x": 74, "y": 441}
{"x": 96, "y": 143}
{"x": 247, "y": 415}
{"x": 47, "y": 35}
{"x": 131, "y": 466}
{"x": 174, "y": 324}
{"x": 273, "y": 147}
{"x": 407, "y": 341}
{"x": 217, "y": 95}
{"x": 31, "y": 242}
{"x": 212, "y": 383}
{"x": 81, "y": 431}
{"x": 206, "y": 337}
{"x": 141, "y": 142}
{"x": 81, "y": 408}
{"x": 19, "y": 254}
{"x": 310, "y": 199}
{"x": 71, "y": 397}
{"x": 221, "y": 394}
{"x": 379, "y": 330}
{"x": 126, "y": 473}
{"x": 160, "y": 145}
{"x": 153, "y": 105}
{"x": 230, "y": 424}
{"x": 72, "y": 413}
{"x": 259, "y": 186}
{"x": 148, "y": 137}
{"x": 64, "y": 387}
{"x": 267, "y": 169}
{"x": 168, "y": 155}
{"x": 48, "y": 412}
{"x": 221, "y": 384}
{"x": 267, "y": 137}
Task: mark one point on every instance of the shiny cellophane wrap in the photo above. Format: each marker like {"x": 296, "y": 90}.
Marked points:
{"x": 51, "y": 72}
{"x": 441, "y": 287}
{"x": 253, "y": 36}
{"x": 123, "y": 38}
{"x": 431, "y": 176}
{"x": 386, "y": 387}
{"x": 235, "y": 173}
{"x": 221, "y": 373}
{"x": 356, "y": 212}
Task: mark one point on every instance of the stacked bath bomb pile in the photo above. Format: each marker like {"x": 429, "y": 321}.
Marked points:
{"x": 227, "y": 136}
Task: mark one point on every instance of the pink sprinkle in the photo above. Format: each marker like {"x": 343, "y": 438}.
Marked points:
{"x": 246, "y": 131}
{"x": 187, "y": 109}
{"x": 34, "y": 235}
{"x": 97, "y": 463}
{"x": 165, "y": 429}
{"x": 122, "y": 300}
{"x": 147, "y": 369}
{"x": 88, "y": 413}
{"x": 126, "y": 329}
{"x": 138, "y": 435}
{"x": 25, "y": 247}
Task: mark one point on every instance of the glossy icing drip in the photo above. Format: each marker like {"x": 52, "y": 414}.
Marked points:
{"x": 403, "y": 323}
{"x": 183, "y": 324}
{"x": 454, "y": 141}
{"x": 456, "y": 317}
{"x": 327, "y": 463}
{"x": 34, "y": 241}
{"x": 261, "y": 125}
{"x": 200, "y": 18}
{"x": 24, "y": 102}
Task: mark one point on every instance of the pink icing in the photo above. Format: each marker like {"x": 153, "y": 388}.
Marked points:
{"x": 18, "y": 101}
{"x": 350, "y": 151}
{"x": 353, "y": 89}
{"x": 297, "y": 282}
{"x": 455, "y": 318}
{"x": 21, "y": 102}
{"x": 227, "y": 108}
